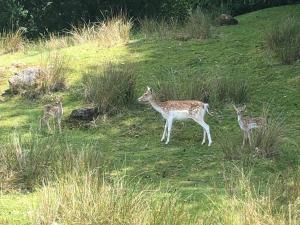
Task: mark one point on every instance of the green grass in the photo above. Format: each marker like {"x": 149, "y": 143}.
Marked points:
{"x": 130, "y": 142}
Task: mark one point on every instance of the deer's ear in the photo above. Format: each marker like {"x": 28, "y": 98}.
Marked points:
{"x": 244, "y": 107}
{"x": 149, "y": 89}
{"x": 234, "y": 107}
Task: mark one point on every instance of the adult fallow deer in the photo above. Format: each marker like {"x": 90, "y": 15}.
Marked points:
{"x": 178, "y": 110}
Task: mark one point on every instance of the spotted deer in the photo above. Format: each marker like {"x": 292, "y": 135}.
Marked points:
{"x": 247, "y": 123}
{"x": 178, "y": 110}
{"x": 54, "y": 110}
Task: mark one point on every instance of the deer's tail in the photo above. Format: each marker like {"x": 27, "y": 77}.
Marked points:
{"x": 206, "y": 106}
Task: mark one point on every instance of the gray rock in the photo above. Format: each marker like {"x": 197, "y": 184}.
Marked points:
{"x": 87, "y": 114}
{"x": 226, "y": 19}
{"x": 24, "y": 79}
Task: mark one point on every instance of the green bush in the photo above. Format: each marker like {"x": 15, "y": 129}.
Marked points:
{"x": 283, "y": 40}
{"x": 111, "y": 87}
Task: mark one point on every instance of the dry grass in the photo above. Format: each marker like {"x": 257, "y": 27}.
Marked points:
{"x": 85, "y": 199}
{"x": 12, "y": 41}
{"x": 111, "y": 32}
{"x": 247, "y": 205}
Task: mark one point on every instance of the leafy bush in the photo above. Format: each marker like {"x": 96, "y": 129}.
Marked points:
{"x": 283, "y": 40}
{"x": 111, "y": 87}
{"x": 12, "y": 41}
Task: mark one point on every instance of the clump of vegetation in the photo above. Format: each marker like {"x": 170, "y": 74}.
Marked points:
{"x": 218, "y": 90}
{"x": 86, "y": 199}
{"x": 110, "y": 32}
{"x": 28, "y": 163}
{"x": 196, "y": 26}
{"x": 110, "y": 87}
{"x": 53, "y": 75}
{"x": 12, "y": 41}
{"x": 247, "y": 205}
{"x": 268, "y": 138}
{"x": 231, "y": 90}
{"x": 283, "y": 40}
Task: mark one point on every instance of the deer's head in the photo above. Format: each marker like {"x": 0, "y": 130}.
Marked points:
{"x": 240, "y": 110}
{"x": 147, "y": 96}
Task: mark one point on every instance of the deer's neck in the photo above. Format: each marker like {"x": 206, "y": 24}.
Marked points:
{"x": 157, "y": 106}
{"x": 241, "y": 121}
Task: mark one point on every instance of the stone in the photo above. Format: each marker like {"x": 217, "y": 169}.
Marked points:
{"x": 226, "y": 19}
{"x": 86, "y": 114}
{"x": 24, "y": 79}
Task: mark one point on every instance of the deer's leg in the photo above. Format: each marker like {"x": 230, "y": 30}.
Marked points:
{"x": 165, "y": 131}
{"x": 41, "y": 121}
{"x": 206, "y": 129}
{"x": 170, "y": 122}
{"x": 249, "y": 137}
{"x": 59, "y": 124}
{"x": 204, "y": 137}
{"x": 47, "y": 122}
{"x": 244, "y": 139}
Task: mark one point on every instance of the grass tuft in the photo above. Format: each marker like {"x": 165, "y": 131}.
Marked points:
{"x": 111, "y": 32}
{"x": 12, "y": 41}
{"x": 283, "y": 40}
{"x": 85, "y": 199}
{"x": 110, "y": 87}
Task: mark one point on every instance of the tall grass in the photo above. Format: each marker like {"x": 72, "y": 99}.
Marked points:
{"x": 28, "y": 163}
{"x": 84, "y": 199}
{"x": 268, "y": 138}
{"x": 197, "y": 26}
{"x": 112, "y": 31}
{"x": 217, "y": 90}
{"x": 110, "y": 87}
{"x": 246, "y": 204}
{"x": 12, "y": 41}
{"x": 283, "y": 40}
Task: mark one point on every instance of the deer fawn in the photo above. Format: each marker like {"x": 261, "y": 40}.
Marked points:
{"x": 178, "y": 110}
{"x": 247, "y": 123}
{"x": 54, "y": 110}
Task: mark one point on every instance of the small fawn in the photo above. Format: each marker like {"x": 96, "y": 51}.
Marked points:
{"x": 247, "y": 123}
{"x": 55, "y": 111}
{"x": 178, "y": 110}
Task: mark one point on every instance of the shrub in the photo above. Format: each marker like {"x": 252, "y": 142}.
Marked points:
{"x": 283, "y": 40}
{"x": 12, "y": 41}
{"x": 24, "y": 164}
{"x": 110, "y": 87}
{"x": 110, "y": 32}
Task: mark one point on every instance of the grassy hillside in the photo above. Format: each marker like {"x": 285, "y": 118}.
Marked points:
{"x": 129, "y": 143}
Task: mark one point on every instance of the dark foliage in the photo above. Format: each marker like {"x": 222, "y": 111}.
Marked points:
{"x": 42, "y": 16}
